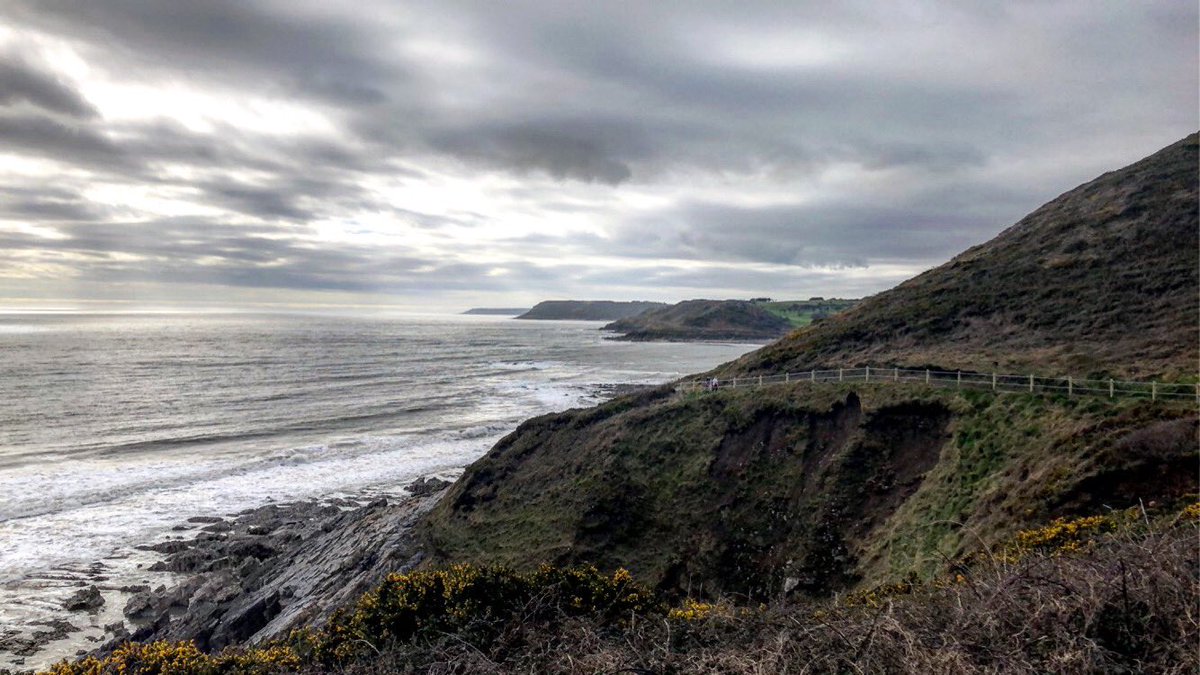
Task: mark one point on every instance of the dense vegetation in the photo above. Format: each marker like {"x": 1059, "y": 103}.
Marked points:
{"x": 818, "y": 487}
{"x": 1116, "y": 592}
{"x": 760, "y": 319}
{"x": 704, "y": 320}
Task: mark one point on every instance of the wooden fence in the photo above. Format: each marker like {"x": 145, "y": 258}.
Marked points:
{"x": 1070, "y": 386}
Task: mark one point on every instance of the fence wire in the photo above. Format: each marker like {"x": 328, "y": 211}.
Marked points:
{"x": 1032, "y": 384}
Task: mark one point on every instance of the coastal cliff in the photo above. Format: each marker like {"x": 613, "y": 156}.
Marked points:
{"x": 833, "y": 486}
{"x": 587, "y": 310}
{"x": 703, "y": 320}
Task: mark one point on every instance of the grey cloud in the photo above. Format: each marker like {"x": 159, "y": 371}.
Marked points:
{"x": 927, "y": 228}
{"x": 51, "y": 204}
{"x": 262, "y": 202}
{"x": 577, "y": 154}
{"x": 181, "y": 251}
{"x": 317, "y": 53}
{"x": 21, "y": 81}
{"x": 73, "y": 142}
{"x": 638, "y": 96}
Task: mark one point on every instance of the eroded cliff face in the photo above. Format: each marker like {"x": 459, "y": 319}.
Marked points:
{"x": 812, "y": 489}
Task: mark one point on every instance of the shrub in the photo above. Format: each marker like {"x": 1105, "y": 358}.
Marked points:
{"x": 183, "y": 658}
{"x": 476, "y": 603}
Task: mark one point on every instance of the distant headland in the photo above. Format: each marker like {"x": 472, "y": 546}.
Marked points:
{"x": 588, "y": 310}
{"x": 497, "y": 311}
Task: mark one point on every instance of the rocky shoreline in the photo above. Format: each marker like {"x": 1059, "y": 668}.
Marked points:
{"x": 249, "y": 577}
{"x": 237, "y": 579}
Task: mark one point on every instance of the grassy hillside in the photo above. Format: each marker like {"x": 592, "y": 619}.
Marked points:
{"x": 1101, "y": 281}
{"x": 704, "y": 320}
{"x": 741, "y": 491}
{"x": 801, "y": 313}
{"x": 587, "y": 310}
{"x": 826, "y": 487}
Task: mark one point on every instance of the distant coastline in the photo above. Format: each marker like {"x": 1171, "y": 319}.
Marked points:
{"x": 497, "y": 311}
{"x": 588, "y": 310}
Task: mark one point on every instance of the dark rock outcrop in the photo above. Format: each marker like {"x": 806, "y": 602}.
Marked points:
{"x": 85, "y": 599}
{"x": 275, "y": 568}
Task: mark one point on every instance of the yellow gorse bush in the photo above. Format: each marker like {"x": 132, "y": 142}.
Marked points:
{"x": 472, "y": 600}
{"x": 1063, "y": 535}
{"x": 183, "y": 658}
{"x": 1190, "y": 514}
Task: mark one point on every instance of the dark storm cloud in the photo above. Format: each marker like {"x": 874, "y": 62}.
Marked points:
{"x": 261, "y": 44}
{"x": 686, "y": 103}
{"x": 22, "y": 81}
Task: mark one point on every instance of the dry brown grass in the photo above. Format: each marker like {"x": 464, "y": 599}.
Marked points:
{"x": 1127, "y": 604}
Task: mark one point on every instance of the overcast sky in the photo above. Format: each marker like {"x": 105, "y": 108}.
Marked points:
{"x": 449, "y": 154}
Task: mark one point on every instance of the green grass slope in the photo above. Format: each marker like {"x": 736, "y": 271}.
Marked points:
{"x": 704, "y": 320}
{"x": 821, "y": 487}
{"x": 1101, "y": 281}
{"x": 801, "y": 313}
{"x": 806, "y": 486}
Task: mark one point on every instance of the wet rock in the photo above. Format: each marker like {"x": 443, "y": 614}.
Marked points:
{"x": 19, "y": 645}
{"x": 221, "y": 526}
{"x": 172, "y": 546}
{"x": 427, "y": 485}
{"x": 84, "y": 599}
{"x": 140, "y": 606}
{"x": 204, "y": 519}
{"x": 190, "y": 560}
{"x": 59, "y": 628}
{"x": 220, "y": 588}
{"x": 281, "y": 566}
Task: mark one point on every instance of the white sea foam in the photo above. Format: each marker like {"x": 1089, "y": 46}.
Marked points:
{"x": 117, "y": 428}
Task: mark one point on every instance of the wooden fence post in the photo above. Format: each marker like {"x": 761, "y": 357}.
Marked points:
{"x": 840, "y": 375}
{"x": 787, "y": 377}
{"x": 1070, "y": 386}
{"x": 959, "y": 379}
{"x": 760, "y": 379}
{"x": 926, "y": 376}
{"x": 895, "y": 374}
{"x": 734, "y": 385}
{"x": 868, "y": 377}
{"x": 1153, "y": 391}
{"x": 812, "y": 376}
{"x": 1111, "y": 387}
{"x": 1031, "y": 383}
{"x": 993, "y": 381}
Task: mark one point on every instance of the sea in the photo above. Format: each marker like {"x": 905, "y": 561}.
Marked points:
{"x": 115, "y": 427}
